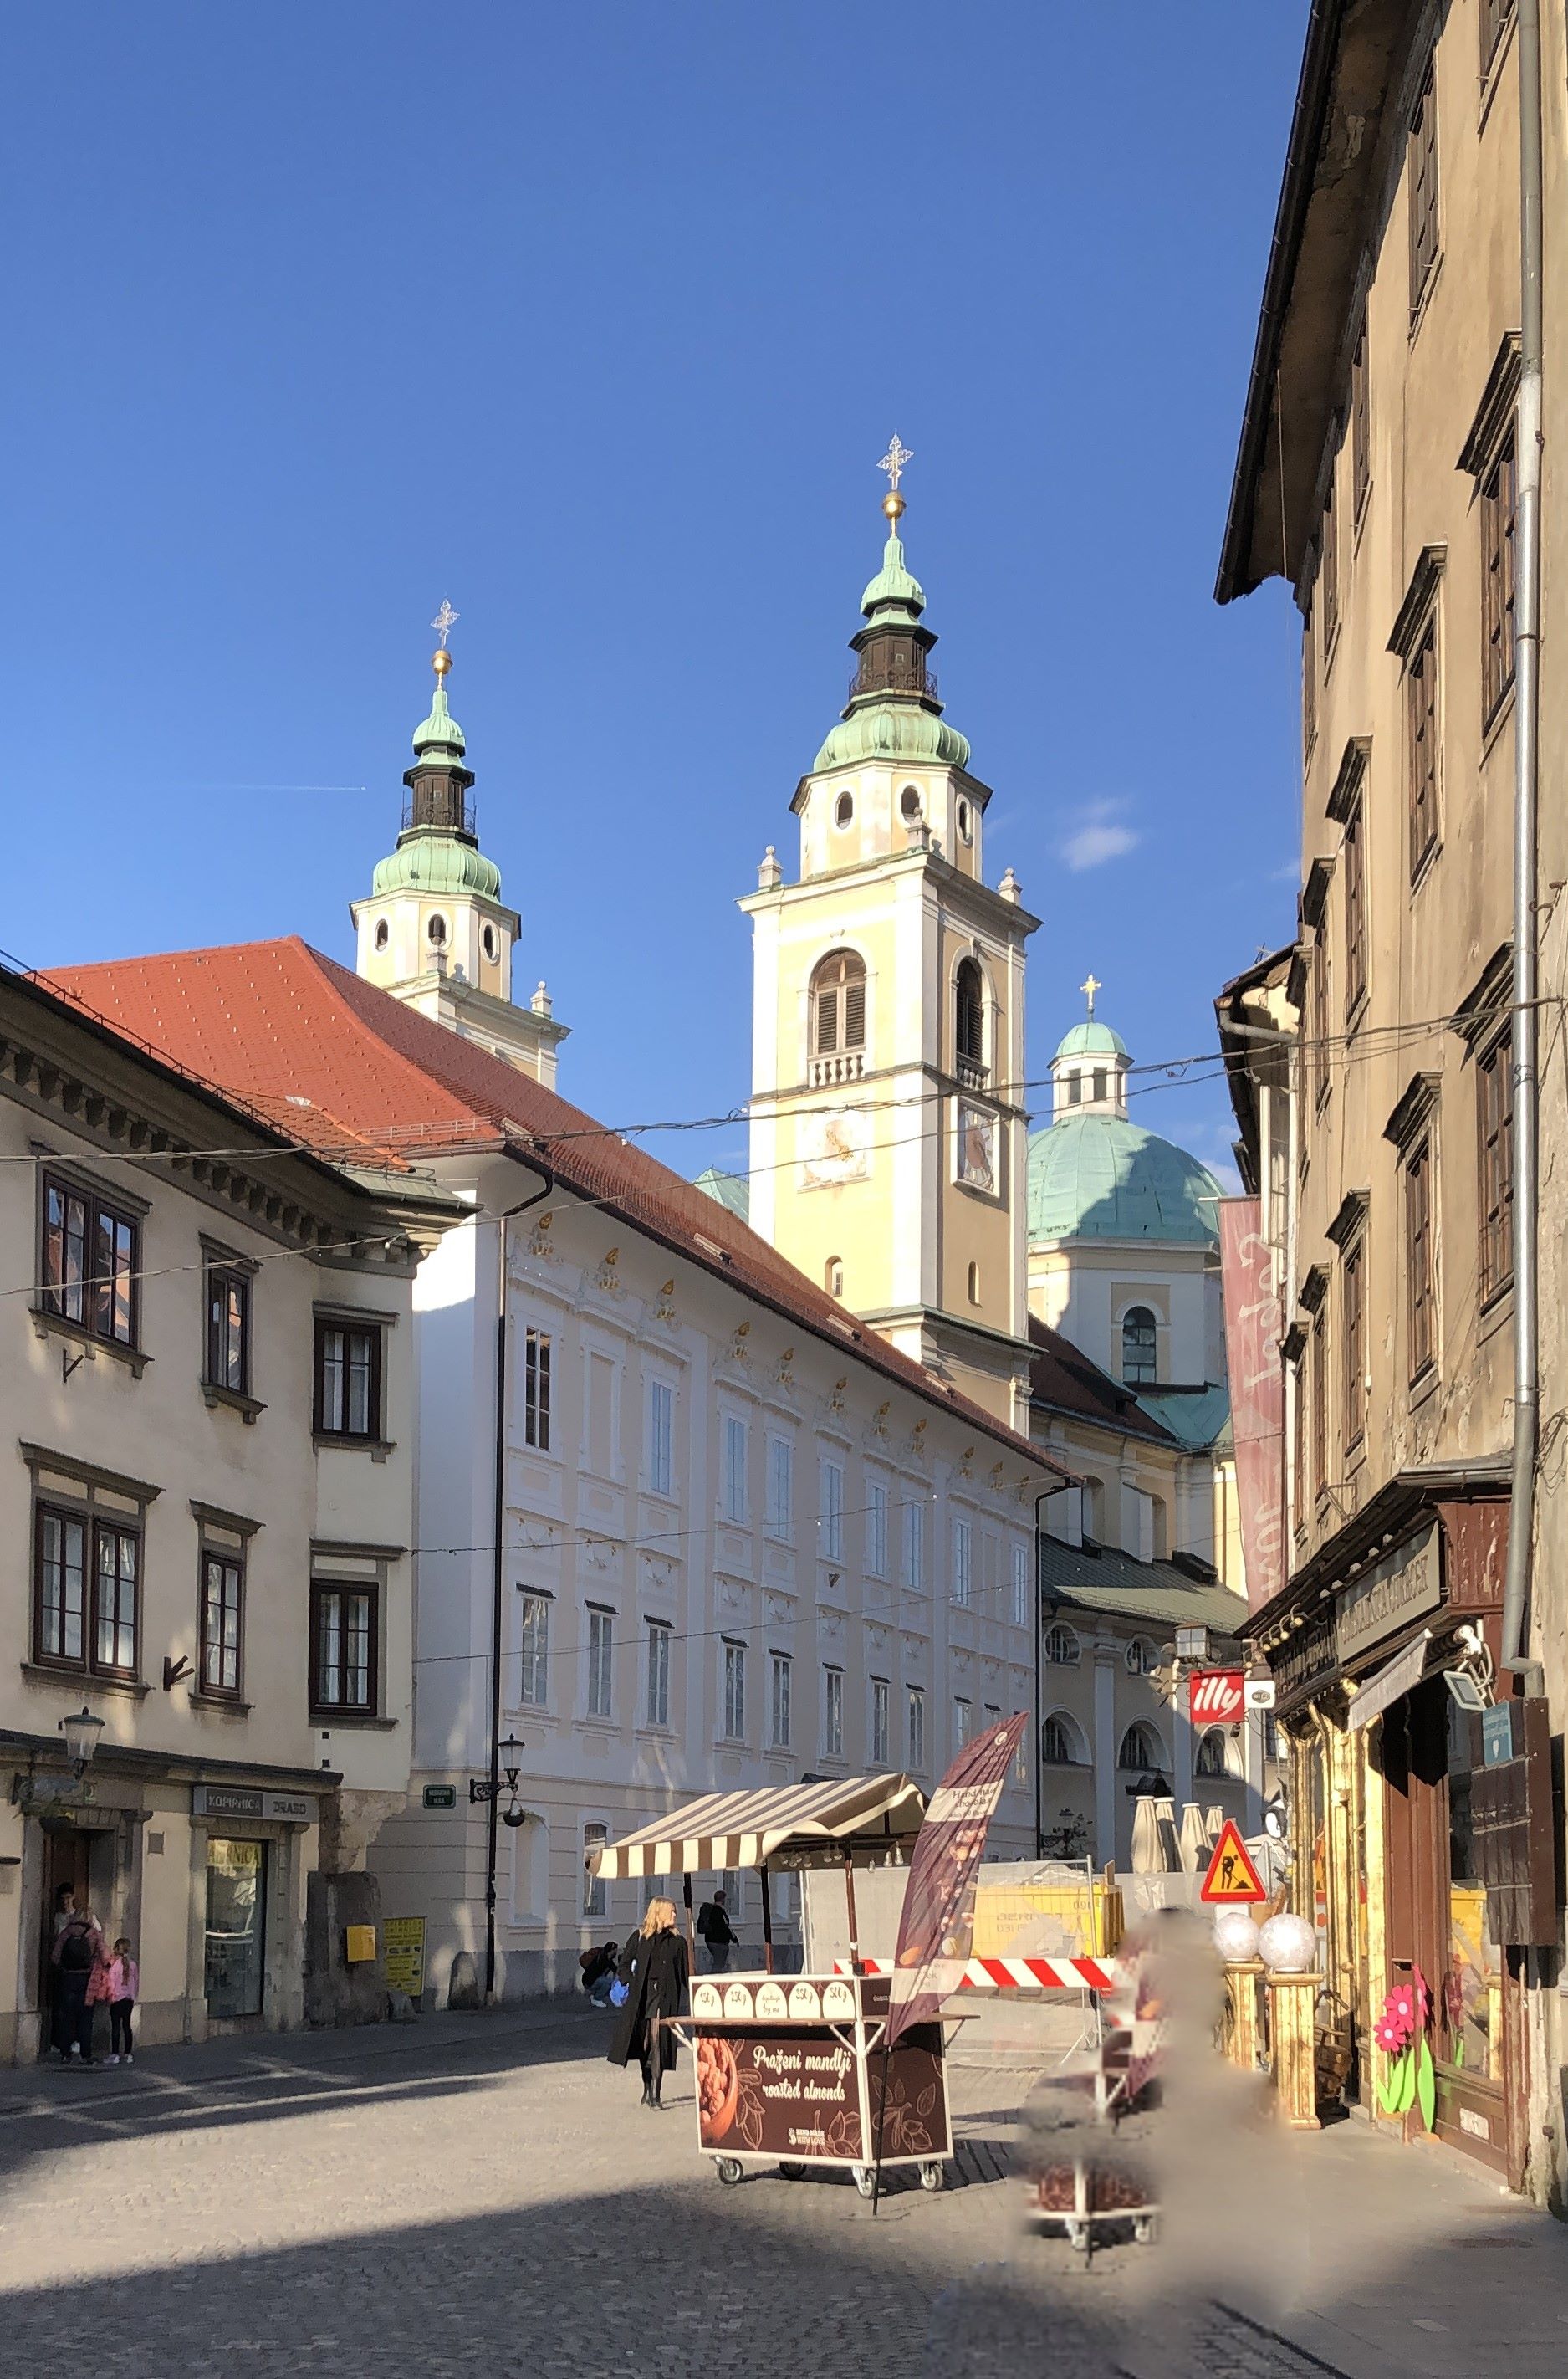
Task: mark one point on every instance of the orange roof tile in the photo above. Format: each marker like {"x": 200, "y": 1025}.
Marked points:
{"x": 304, "y": 1039}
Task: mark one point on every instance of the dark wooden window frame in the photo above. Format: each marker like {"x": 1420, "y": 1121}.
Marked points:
{"x": 98, "y": 1207}
{"x": 227, "y": 1559}
{"x": 1420, "y": 1259}
{"x": 1424, "y": 734}
{"x": 373, "y": 1331}
{"x": 1360, "y": 428}
{"x": 1499, "y": 495}
{"x": 1328, "y": 571}
{"x": 341, "y": 1709}
{"x": 1355, "y": 913}
{"x": 95, "y": 1527}
{"x": 1494, "y": 1151}
{"x": 968, "y": 1012}
{"x": 1320, "y": 1338}
{"x": 1425, "y": 199}
{"x": 1353, "y": 1324}
{"x": 1497, "y": 16}
{"x": 231, "y": 1278}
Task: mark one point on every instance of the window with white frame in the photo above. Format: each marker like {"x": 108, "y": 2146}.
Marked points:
{"x": 915, "y": 1759}
{"x": 659, "y": 1674}
{"x": 734, "y": 1692}
{"x": 780, "y": 1489}
{"x": 963, "y": 1720}
{"x": 1142, "y": 1657}
{"x": 833, "y": 1713}
{"x": 879, "y": 1706}
{"x": 779, "y": 1671}
{"x": 534, "y": 1689}
{"x": 735, "y": 1469}
{"x": 830, "y": 1527}
{"x": 1021, "y": 1586}
{"x": 595, "y": 1892}
{"x": 1062, "y": 1648}
{"x": 601, "y": 1639}
{"x": 661, "y": 1437}
{"x": 876, "y": 1529}
{"x": 964, "y": 1555}
{"x": 914, "y": 1545}
{"x": 536, "y": 1389}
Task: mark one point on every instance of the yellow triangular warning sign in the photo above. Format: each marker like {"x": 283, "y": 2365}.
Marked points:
{"x": 1232, "y": 1875}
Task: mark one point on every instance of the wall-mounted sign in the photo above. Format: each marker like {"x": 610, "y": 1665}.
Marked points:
{"x": 1217, "y": 1697}
{"x": 1403, "y": 1586}
{"x": 441, "y": 1796}
{"x": 403, "y": 1958}
{"x": 1261, "y": 1692}
{"x": 251, "y": 1801}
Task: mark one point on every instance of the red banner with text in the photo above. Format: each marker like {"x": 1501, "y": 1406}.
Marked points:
{"x": 1254, "y": 1324}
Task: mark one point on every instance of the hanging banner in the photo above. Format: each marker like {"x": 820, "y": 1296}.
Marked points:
{"x": 937, "y": 1925}
{"x": 1254, "y": 1325}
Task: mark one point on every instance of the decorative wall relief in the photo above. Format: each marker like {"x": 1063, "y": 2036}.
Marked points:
{"x": 665, "y": 1309}
{"x": 540, "y": 1242}
{"x": 836, "y": 1401}
{"x": 916, "y": 1445}
{"x": 834, "y": 1146}
{"x": 607, "y": 1277}
{"x": 879, "y": 1418}
{"x": 966, "y": 1463}
{"x": 975, "y": 1156}
{"x": 785, "y": 1375}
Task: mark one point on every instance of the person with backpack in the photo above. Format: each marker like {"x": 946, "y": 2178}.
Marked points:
{"x": 76, "y": 1958}
{"x": 718, "y": 1935}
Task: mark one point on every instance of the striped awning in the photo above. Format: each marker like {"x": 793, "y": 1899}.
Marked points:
{"x": 803, "y": 1825}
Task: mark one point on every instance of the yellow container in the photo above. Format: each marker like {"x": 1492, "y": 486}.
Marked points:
{"x": 1047, "y": 1920}
{"x": 360, "y": 1946}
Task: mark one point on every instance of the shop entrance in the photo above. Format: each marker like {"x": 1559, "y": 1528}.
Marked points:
{"x": 237, "y": 1929}
{"x": 68, "y": 1859}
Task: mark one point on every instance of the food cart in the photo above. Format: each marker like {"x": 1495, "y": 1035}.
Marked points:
{"x": 792, "y": 2069}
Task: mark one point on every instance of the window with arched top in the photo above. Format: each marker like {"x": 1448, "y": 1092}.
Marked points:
{"x": 1142, "y": 1659}
{"x": 1140, "y": 1342}
{"x": 833, "y": 1277}
{"x": 1061, "y": 1648}
{"x": 966, "y": 822}
{"x": 491, "y": 944}
{"x": 838, "y": 1004}
{"x": 436, "y": 931}
{"x": 974, "y": 1283}
{"x": 1140, "y": 1750}
{"x": 1217, "y": 1756}
{"x": 1160, "y": 1516}
{"x": 383, "y": 934}
{"x": 843, "y": 809}
{"x": 1061, "y": 1743}
{"x": 909, "y": 805}
{"x": 968, "y": 1016}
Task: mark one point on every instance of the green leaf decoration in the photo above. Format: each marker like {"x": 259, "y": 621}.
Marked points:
{"x": 1426, "y": 2085}
{"x": 1459, "y": 2052}
{"x": 1388, "y": 2088}
{"x": 1407, "y": 2083}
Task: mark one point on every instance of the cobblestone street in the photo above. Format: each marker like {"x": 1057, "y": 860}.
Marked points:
{"x": 486, "y": 2194}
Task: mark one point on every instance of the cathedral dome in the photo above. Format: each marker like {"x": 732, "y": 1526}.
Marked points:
{"x": 433, "y": 861}
{"x": 1092, "y": 1039}
{"x": 1098, "y": 1176}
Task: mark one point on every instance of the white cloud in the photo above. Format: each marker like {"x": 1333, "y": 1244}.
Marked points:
{"x": 1098, "y": 837}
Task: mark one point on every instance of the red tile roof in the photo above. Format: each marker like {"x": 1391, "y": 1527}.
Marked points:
{"x": 1062, "y": 1377}
{"x": 356, "y": 1073}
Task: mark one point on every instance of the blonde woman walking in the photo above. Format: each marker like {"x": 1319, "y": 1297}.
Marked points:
{"x": 655, "y": 1968}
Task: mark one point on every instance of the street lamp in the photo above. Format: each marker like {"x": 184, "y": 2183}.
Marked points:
{"x": 483, "y": 1789}
{"x": 81, "y": 1731}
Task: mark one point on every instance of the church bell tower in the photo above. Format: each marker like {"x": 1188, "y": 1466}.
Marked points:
{"x": 435, "y": 931}
{"x": 888, "y": 1133}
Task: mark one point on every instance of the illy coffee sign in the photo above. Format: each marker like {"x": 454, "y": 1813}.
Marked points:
{"x": 1218, "y": 1698}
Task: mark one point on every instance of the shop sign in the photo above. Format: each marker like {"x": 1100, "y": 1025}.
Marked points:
{"x": 1307, "y": 1658}
{"x": 1217, "y": 1697}
{"x": 402, "y": 1954}
{"x": 1403, "y": 1586}
{"x": 249, "y": 1801}
{"x": 1497, "y": 1734}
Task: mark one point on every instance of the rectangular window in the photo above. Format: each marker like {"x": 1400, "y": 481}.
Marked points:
{"x": 343, "y": 1638}
{"x": 536, "y": 1389}
{"x": 1352, "y": 1387}
{"x": 1494, "y": 1093}
{"x": 735, "y": 1471}
{"x": 228, "y": 1329}
{"x": 963, "y": 1578}
{"x": 779, "y": 1667}
{"x": 661, "y": 1437}
{"x": 735, "y": 1692}
{"x": 876, "y": 1529}
{"x": 69, "y": 1632}
{"x": 1318, "y": 996}
{"x": 601, "y": 1645}
{"x": 118, "y": 1551}
{"x": 595, "y": 1891}
{"x": 1419, "y": 1267}
{"x": 534, "y": 1689}
{"x": 1355, "y": 913}
{"x": 91, "y": 1256}
{"x": 1498, "y": 508}
{"x": 780, "y": 1489}
{"x": 61, "y": 1631}
{"x": 914, "y": 1545}
{"x": 830, "y": 1527}
{"x": 1422, "y": 728}
{"x": 222, "y": 1588}
{"x": 963, "y": 1718}
{"x": 1422, "y": 172}
{"x": 833, "y": 1713}
{"x": 348, "y": 1379}
{"x": 1308, "y": 694}
{"x": 1360, "y": 428}
{"x": 915, "y": 1760}
{"x": 1496, "y": 17}
{"x": 659, "y": 1674}
{"x": 990, "y": 1574}
{"x": 879, "y": 1721}
{"x": 1021, "y": 1586}
{"x": 1298, "y": 1442}
{"x": 1320, "y": 1403}
{"x": 1329, "y": 574}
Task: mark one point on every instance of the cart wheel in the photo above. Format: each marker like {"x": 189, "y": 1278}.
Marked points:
{"x": 729, "y": 2169}
{"x": 931, "y": 2177}
{"x": 1146, "y": 2229}
{"x": 1080, "y": 2238}
{"x": 865, "y": 2179}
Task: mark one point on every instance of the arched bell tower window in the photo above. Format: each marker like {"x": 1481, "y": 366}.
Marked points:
{"x": 969, "y": 1023}
{"x": 838, "y": 1017}
{"x": 436, "y": 933}
{"x": 833, "y": 1277}
{"x": 383, "y": 933}
{"x": 1139, "y": 1344}
{"x": 909, "y": 805}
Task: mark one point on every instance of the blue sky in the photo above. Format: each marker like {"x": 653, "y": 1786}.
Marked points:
{"x": 597, "y": 320}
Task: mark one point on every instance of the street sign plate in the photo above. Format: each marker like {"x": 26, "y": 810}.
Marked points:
{"x": 1497, "y": 1734}
{"x": 1259, "y": 1693}
{"x": 1217, "y": 1697}
{"x": 1232, "y": 1877}
{"x": 441, "y": 1796}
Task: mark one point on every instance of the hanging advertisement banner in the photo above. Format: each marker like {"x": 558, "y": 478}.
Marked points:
{"x": 1254, "y": 1325}
{"x": 936, "y": 1928}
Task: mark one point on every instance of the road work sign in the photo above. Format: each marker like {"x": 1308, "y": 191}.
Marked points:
{"x": 1232, "y": 1877}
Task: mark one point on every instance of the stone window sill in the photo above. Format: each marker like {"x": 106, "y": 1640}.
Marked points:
{"x": 55, "y": 1325}
{"x": 82, "y": 1680}
{"x": 366, "y": 1721}
{"x": 378, "y": 1448}
{"x": 246, "y": 1406}
{"x": 220, "y": 1705}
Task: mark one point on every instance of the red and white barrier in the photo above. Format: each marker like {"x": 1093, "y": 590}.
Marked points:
{"x": 1016, "y": 1974}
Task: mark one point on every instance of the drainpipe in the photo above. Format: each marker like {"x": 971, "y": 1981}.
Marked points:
{"x": 1526, "y": 765}
{"x": 498, "y": 1577}
{"x": 1044, "y": 1497}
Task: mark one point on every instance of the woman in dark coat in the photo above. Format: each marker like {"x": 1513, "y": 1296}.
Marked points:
{"x": 655, "y": 1968}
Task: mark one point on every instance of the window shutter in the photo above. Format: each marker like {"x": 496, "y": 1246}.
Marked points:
{"x": 854, "y": 1014}
{"x": 826, "y": 1020}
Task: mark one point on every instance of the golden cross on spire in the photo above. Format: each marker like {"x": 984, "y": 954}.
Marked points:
{"x": 1090, "y": 986}
{"x": 893, "y": 462}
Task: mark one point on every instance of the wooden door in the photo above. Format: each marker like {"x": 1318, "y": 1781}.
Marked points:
{"x": 65, "y": 1861}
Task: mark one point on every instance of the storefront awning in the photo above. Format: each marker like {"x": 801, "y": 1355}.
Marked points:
{"x": 1386, "y": 1684}
{"x": 810, "y": 1825}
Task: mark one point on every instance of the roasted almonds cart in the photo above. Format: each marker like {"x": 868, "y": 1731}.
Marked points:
{"x": 792, "y": 2069}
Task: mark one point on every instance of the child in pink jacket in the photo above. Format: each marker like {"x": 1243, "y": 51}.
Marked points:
{"x": 124, "y": 1988}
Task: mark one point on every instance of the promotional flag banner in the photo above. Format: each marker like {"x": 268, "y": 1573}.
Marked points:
{"x": 937, "y": 1925}
{"x": 1254, "y": 1326}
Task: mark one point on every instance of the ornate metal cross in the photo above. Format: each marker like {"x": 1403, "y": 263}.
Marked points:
{"x": 446, "y": 619}
{"x": 1089, "y": 987}
{"x": 893, "y": 462}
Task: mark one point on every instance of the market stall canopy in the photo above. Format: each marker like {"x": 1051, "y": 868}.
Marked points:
{"x": 798, "y": 1825}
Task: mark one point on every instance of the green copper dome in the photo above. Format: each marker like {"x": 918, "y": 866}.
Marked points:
{"x": 1092, "y": 1039}
{"x": 440, "y": 730}
{"x": 428, "y": 861}
{"x": 1097, "y": 1177}
{"x": 893, "y": 583}
{"x": 893, "y": 732}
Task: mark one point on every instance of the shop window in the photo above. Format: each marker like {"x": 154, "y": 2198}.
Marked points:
{"x": 1472, "y": 1988}
{"x": 234, "y": 1965}
{"x": 344, "y": 1650}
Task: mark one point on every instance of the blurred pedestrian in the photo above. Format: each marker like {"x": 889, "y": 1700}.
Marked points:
{"x": 717, "y": 1932}
{"x": 655, "y": 1969}
{"x": 597, "y": 1967}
